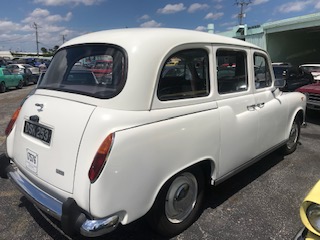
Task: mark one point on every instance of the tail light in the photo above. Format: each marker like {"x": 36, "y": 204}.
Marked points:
{"x": 100, "y": 158}
{"x": 12, "y": 121}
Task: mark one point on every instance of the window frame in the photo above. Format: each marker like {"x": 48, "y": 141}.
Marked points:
{"x": 246, "y": 64}
{"x": 183, "y": 95}
{"x": 267, "y": 64}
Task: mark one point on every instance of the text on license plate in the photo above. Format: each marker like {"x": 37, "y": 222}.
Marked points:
{"x": 38, "y": 131}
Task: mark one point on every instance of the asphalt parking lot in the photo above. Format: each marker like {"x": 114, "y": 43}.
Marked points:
{"x": 262, "y": 202}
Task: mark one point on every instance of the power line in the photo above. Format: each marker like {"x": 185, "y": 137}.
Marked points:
{"x": 242, "y": 4}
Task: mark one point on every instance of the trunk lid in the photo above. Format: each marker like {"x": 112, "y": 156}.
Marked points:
{"x": 48, "y": 135}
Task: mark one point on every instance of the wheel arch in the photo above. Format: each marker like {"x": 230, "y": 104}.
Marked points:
{"x": 208, "y": 166}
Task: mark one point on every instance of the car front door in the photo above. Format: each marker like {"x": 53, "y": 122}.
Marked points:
{"x": 8, "y": 78}
{"x": 273, "y": 113}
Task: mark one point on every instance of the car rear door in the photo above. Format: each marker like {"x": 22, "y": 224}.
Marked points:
{"x": 238, "y": 116}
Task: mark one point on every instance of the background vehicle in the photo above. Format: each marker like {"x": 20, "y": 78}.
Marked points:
{"x": 102, "y": 69}
{"x": 310, "y": 215}
{"x": 294, "y": 77}
{"x": 314, "y": 69}
{"x": 8, "y": 80}
{"x": 29, "y": 73}
{"x": 312, "y": 93}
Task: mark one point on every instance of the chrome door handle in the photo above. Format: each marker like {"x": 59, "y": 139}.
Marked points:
{"x": 260, "y": 105}
{"x": 251, "y": 107}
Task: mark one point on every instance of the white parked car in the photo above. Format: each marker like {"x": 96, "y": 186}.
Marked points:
{"x": 149, "y": 140}
{"x": 29, "y": 73}
{"x": 314, "y": 69}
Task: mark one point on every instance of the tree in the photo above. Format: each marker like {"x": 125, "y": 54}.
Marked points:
{"x": 44, "y": 50}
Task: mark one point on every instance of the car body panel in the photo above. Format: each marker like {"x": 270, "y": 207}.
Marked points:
{"x": 54, "y": 156}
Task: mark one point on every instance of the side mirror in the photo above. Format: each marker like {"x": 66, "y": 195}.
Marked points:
{"x": 280, "y": 83}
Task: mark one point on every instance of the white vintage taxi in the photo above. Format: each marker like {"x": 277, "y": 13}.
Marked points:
{"x": 172, "y": 111}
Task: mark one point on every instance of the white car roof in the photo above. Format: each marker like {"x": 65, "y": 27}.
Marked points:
{"x": 310, "y": 65}
{"x": 147, "y": 50}
{"x": 154, "y": 37}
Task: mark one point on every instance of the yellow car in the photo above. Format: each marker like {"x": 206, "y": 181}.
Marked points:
{"x": 310, "y": 215}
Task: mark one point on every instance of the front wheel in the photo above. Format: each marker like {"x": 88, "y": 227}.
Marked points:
{"x": 20, "y": 84}
{"x": 178, "y": 203}
{"x": 291, "y": 144}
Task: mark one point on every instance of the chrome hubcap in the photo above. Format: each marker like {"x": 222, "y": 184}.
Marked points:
{"x": 293, "y": 137}
{"x": 181, "y": 197}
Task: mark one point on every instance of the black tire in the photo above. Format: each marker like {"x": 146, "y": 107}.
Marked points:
{"x": 26, "y": 80}
{"x": 2, "y": 87}
{"x": 20, "y": 84}
{"x": 164, "y": 217}
{"x": 292, "y": 143}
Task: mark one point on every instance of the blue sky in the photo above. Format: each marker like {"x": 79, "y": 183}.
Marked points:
{"x": 58, "y": 19}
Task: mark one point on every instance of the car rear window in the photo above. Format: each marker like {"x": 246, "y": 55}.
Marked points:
{"x": 96, "y": 70}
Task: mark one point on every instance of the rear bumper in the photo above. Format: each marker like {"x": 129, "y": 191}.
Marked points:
{"x": 73, "y": 218}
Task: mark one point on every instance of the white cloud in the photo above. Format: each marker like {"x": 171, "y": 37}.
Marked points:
{"x": 298, "y": 6}
{"x": 8, "y": 26}
{"x": 201, "y": 28}
{"x": 214, "y": 16}
{"x": 258, "y": 2}
{"x": 218, "y": 6}
{"x": 228, "y": 24}
{"x": 65, "y": 2}
{"x": 151, "y": 24}
{"x": 292, "y": 7}
{"x": 42, "y": 16}
{"x": 144, "y": 17}
{"x": 197, "y": 6}
{"x": 171, "y": 8}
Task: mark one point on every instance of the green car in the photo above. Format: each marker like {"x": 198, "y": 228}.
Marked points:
{"x": 7, "y": 80}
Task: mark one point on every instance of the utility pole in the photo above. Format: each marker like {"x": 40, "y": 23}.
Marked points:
{"x": 242, "y": 4}
{"x": 63, "y": 38}
{"x": 35, "y": 26}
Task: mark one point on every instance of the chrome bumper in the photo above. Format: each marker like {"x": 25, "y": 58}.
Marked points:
{"x": 73, "y": 218}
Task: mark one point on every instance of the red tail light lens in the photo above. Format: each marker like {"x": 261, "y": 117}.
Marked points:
{"x": 100, "y": 158}
{"x": 12, "y": 121}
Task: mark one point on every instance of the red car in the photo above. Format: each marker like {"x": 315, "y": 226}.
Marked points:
{"x": 312, "y": 92}
{"x": 102, "y": 69}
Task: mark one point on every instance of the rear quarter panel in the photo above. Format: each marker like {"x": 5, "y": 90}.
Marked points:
{"x": 143, "y": 158}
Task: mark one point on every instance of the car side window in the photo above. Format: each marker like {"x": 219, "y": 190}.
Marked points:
{"x": 232, "y": 74}
{"x": 262, "y": 74}
{"x": 184, "y": 75}
{"x": 6, "y": 72}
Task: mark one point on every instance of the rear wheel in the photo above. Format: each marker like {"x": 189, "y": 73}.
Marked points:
{"x": 20, "y": 84}
{"x": 178, "y": 203}
{"x": 2, "y": 87}
{"x": 291, "y": 144}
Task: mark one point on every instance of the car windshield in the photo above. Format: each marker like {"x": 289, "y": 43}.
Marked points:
{"x": 279, "y": 72}
{"x": 311, "y": 68}
{"x": 71, "y": 71}
{"x": 27, "y": 66}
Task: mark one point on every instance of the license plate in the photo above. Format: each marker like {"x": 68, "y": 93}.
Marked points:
{"x": 32, "y": 161}
{"x": 38, "y": 131}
